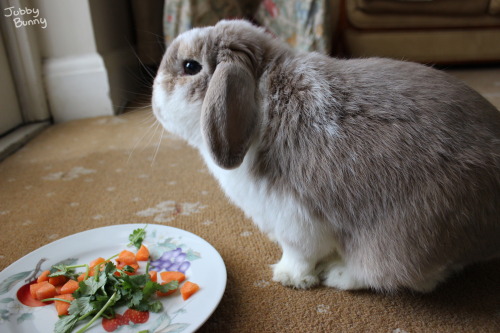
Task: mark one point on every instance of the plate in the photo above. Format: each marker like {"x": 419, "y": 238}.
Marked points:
{"x": 176, "y": 248}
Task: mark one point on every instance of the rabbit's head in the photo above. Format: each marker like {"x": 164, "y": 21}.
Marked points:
{"x": 206, "y": 89}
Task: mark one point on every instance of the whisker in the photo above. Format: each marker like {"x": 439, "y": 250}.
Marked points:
{"x": 158, "y": 145}
{"x": 146, "y": 132}
{"x": 131, "y": 109}
{"x": 149, "y": 119}
{"x": 145, "y": 68}
{"x": 156, "y": 125}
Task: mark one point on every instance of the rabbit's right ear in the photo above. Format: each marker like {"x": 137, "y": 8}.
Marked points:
{"x": 229, "y": 112}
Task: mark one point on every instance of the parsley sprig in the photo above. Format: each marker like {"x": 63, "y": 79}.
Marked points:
{"x": 137, "y": 237}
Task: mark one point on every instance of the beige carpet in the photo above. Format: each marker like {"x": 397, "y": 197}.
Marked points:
{"x": 103, "y": 171}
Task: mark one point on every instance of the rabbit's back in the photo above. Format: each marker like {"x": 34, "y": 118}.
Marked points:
{"x": 393, "y": 155}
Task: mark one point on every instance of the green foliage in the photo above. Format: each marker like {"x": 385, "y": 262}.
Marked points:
{"x": 110, "y": 287}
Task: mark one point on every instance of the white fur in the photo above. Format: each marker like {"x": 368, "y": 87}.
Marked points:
{"x": 175, "y": 113}
{"x": 304, "y": 242}
{"x": 338, "y": 274}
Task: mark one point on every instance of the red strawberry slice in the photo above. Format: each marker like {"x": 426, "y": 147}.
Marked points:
{"x": 137, "y": 317}
{"x": 122, "y": 320}
{"x": 110, "y": 325}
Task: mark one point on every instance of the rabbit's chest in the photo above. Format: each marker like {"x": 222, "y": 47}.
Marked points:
{"x": 258, "y": 201}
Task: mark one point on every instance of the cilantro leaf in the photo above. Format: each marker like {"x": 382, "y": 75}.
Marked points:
{"x": 81, "y": 306}
{"x": 172, "y": 285}
{"x": 136, "y": 298}
{"x": 66, "y": 270}
{"x": 156, "y": 306}
{"x": 65, "y": 324}
{"x": 137, "y": 237}
{"x": 149, "y": 289}
{"x": 92, "y": 285}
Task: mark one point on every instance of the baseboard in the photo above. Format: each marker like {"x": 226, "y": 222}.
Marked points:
{"x": 91, "y": 85}
{"x": 19, "y": 137}
{"x": 77, "y": 87}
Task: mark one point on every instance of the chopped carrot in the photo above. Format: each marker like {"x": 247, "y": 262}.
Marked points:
{"x": 96, "y": 262}
{"x": 35, "y": 286}
{"x": 61, "y": 306}
{"x": 188, "y": 289}
{"x": 58, "y": 289}
{"x": 153, "y": 275}
{"x": 25, "y": 297}
{"x": 58, "y": 280}
{"x": 69, "y": 287}
{"x": 81, "y": 277}
{"x": 44, "y": 276}
{"x": 126, "y": 258}
{"x": 46, "y": 290}
{"x": 172, "y": 275}
{"x": 142, "y": 254}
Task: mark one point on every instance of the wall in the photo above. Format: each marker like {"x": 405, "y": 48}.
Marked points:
{"x": 115, "y": 41}
{"x": 87, "y": 51}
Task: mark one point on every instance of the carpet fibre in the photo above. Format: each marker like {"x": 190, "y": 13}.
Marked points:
{"x": 104, "y": 171}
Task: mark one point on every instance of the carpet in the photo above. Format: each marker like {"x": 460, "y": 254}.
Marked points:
{"x": 104, "y": 171}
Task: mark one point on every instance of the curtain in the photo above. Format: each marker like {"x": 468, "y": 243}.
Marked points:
{"x": 304, "y": 24}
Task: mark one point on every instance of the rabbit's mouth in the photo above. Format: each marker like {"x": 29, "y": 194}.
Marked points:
{"x": 157, "y": 98}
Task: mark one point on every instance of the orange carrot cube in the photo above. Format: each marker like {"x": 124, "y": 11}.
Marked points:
{"x": 188, "y": 289}
{"x": 61, "y": 306}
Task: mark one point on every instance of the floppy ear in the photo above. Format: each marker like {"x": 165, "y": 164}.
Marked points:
{"x": 229, "y": 113}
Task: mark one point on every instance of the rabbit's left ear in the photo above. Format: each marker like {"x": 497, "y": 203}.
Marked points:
{"x": 229, "y": 112}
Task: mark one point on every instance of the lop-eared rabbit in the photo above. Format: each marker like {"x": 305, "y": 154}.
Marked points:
{"x": 369, "y": 173}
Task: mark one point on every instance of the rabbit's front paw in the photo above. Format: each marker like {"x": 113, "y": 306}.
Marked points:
{"x": 290, "y": 276}
{"x": 340, "y": 276}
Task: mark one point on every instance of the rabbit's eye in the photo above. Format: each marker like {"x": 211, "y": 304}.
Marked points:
{"x": 191, "y": 67}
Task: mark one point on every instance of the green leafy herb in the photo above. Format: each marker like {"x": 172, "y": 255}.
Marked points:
{"x": 98, "y": 296}
{"x": 137, "y": 237}
{"x": 68, "y": 271}
{"x": 108, "y": 288}
{"x": 65, "y": 324}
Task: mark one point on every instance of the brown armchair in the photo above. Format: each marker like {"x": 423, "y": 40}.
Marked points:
{"x": 429, "y": 31}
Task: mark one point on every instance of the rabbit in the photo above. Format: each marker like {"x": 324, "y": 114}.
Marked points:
{"x": 369, "y": 173}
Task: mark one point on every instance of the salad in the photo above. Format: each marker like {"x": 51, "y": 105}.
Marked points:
{"x": 85, "y": 293}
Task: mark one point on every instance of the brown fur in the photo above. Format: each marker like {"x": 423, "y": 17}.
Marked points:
{"x": 410, "y": 181}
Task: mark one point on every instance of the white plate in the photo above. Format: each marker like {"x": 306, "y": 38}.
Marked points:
{"x": 206, "y": 268}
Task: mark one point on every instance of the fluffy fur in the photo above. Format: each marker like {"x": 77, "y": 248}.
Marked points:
{"x": 369, "y": 173}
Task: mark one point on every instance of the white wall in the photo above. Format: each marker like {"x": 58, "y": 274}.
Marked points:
{"x": 86, "y": 56}
{"x": 69, "y": 30}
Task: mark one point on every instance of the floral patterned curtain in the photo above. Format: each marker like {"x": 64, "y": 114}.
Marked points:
{"x": 304, "y": 24}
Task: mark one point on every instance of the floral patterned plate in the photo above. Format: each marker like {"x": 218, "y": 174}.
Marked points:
{"x": 170, "y": 249}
